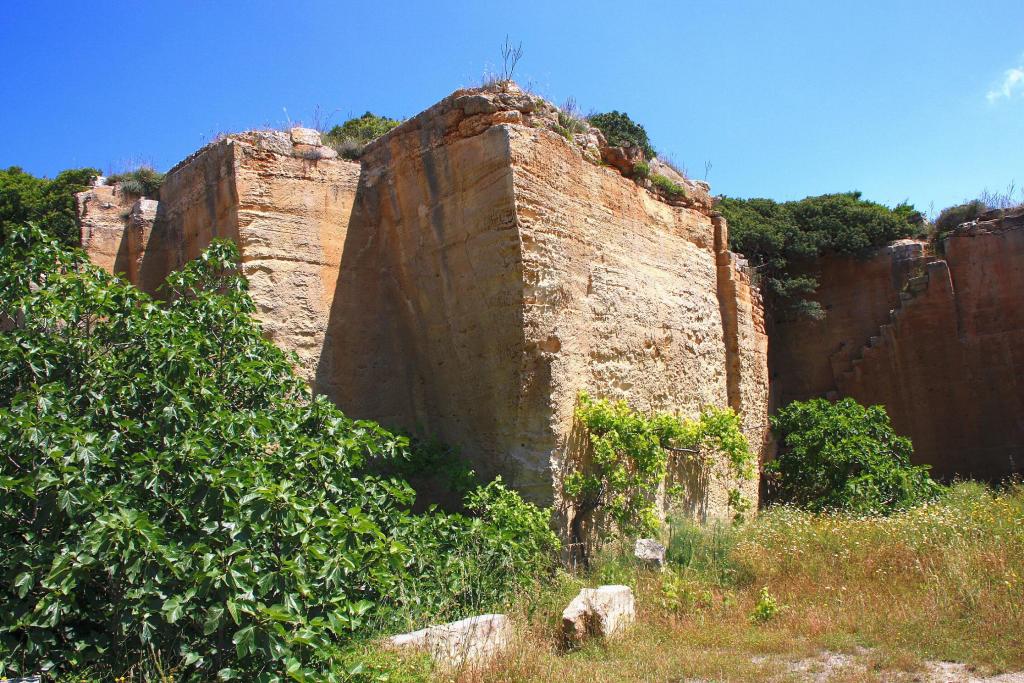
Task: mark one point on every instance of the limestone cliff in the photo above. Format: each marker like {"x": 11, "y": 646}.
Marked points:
{"x": 469, "y": 278}
{"x": 938, "y": 341}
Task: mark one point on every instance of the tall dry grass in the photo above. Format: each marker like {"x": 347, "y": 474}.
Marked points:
{"x": 944, "y": 581}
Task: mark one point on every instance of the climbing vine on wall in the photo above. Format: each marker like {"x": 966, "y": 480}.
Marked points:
{"x": 630, "y": 454}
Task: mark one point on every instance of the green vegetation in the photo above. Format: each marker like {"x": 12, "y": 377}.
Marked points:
{"x": 351, "y": 137}
{"x": 844, "y": 456}
{"x": 621, "y": 131}
{"x": 171, "y": 495}
{"x": 642, "y": 170}
{"x": 144, "y": 181}
{"x": 949, "y": 218}
{"x": 766, "y": 607}
{"x": 952, "y": 216}
{"x": 668, "y": 186}
{"x": 886, "y": 594}
{"x": 630, "y": 456}
{"x": 782, "y": 240}
{"x": 50, "y": 204}
{"x": 569, "y": 125}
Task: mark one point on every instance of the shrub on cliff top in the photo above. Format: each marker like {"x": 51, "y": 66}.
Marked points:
{"x": 782, "y": 240}
{"x": 950, "y": 217}
{"x": 621, "y": 131}
{"x": 168, "y": 484}
{"x": 668, "y": 186}
{"x": 351, "y": 137}
{"x": 50, "y": 204}
{"x": 844, "y": 456}
{"x": 143, "y": 181}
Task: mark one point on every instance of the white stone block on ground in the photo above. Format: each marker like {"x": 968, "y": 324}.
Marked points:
{"x": 650, "y": 551}
{"x": 467, "y": 641}
{"x": 600, "y": 612}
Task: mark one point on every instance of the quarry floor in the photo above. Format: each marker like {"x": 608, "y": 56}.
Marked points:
{"x": 932, "y": 594}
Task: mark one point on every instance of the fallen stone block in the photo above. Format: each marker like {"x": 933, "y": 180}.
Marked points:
{"x": 598, "y": 612}
{"x": 650, "y": 552}
{"x": 467, "y": 641}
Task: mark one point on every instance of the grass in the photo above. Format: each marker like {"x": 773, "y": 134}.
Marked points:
{"x": 885, "y": 595}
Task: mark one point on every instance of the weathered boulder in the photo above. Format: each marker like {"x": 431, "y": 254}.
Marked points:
{"x": 600, "y": 612}
{"x": 624, "y": 159}
{"x": 305, "y": 136}
{"x": 650, "y": 552}
{"x": 468, "y": 641}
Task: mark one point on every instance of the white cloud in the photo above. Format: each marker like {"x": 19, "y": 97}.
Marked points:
{"x": 1013, "y": 81}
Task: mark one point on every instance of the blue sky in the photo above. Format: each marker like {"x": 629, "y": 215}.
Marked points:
{"x": 901, "y": 100}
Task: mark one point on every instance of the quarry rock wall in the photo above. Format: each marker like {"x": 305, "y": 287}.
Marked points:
{"x": 469, "y": 278}
{"x": 938, "y": 340}
{"x": 287, "y": 209}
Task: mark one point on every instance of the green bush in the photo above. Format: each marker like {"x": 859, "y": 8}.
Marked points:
{"x": 950, "y": 217}
{"x": 435, "y": 467}
{"x": 642, "y": 170}
{"x": 351, "y": 137}
{"x": 844, "y": 457}
{"x": 50, "y": 204}
{"x": 621, "y": 131}
{"x": 464, "y": 565}
{"x": 168, "y": 485}
{"x": 144, "y": 181}
{"x": 668, "y": 186}
{"x": 783, "y": 240}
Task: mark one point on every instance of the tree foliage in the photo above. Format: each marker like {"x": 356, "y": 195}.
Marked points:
{"x": 50, "y": 204}
{"x": 168, "y": 484}
{"x": 844, "y": 456}
{"x": 630, "y": 456}
{"x": 782, "y": 240}
{"x": 621, "y": 131}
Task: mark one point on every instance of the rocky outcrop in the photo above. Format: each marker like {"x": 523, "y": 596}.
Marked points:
{"x": 115, "y": 227}
{"x": 473, "y": 275}
{"x": 938, "y": 341}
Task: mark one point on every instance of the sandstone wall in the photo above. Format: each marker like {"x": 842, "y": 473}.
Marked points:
{"x": 939, "y": 342}
{"x": 115, "y": 227}
{"x": 624, "y": 298}
{"x": 473, "y": 276}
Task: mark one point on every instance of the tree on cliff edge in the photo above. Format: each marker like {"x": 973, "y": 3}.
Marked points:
{"x": 783, "y": 240}
{"x": 50, "y": 204}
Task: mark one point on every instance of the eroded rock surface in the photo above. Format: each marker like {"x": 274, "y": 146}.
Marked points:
{"x": 938, "y": 340}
